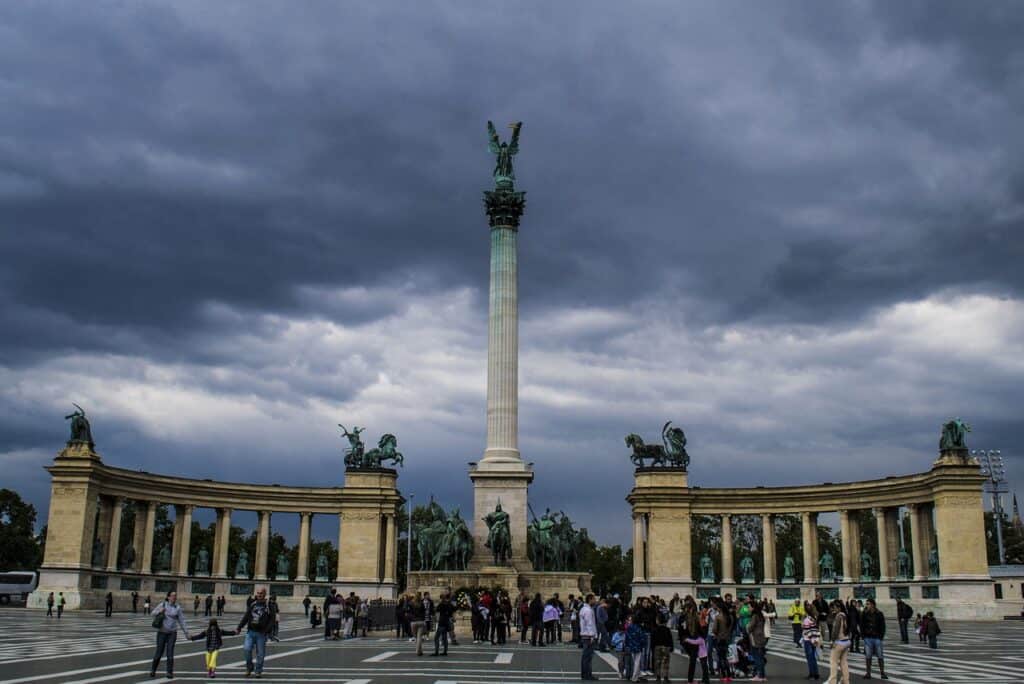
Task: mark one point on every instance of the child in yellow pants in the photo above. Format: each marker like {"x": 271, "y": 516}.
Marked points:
{"x": 214, "y": 640}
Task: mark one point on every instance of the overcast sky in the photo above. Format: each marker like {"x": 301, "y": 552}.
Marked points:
{"x": 795, "y": 229}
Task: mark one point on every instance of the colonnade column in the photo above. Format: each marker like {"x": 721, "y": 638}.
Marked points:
{"x": 301, "y": 572}
{"x": 102, "y": 530}
{"x": 638, "y": 548}
{"x": 810, "y": 538}
{"x": 146, "y": 567}
{"x": 341, "y": 553}
{"x": 881, "y": 522}
{"x": 727, "y": 569}
{"x": 176, "y": 538}
{"x": 221, "y": 540}
{"x": 924, "y": 513}
{"x": 892, "y": 536}
{"x": 916, "y": 545}
{"x": 768, "y": 548}
{"x": 114, "y": 541}
{"x": 847, "y": 546}
{"x": 138, "y": 534}
{"x": 262, "y": 546}
{"x": 185, "y": 540}
{"x": 390, "y": 557}
{"x": 855, "y": 569}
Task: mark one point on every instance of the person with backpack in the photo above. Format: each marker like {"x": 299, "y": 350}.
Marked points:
{"x": 259, "y": 618}
{"x": 214, "y": 637}
{"x": 167, "y": 618}
{"x": 108, "y": 605}
{"x": 49, "y": 605}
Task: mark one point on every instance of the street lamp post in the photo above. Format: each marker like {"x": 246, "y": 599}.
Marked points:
{"x": 991, "y": 461}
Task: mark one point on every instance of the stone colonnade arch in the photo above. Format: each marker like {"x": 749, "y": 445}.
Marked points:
{"x": 88, "y": 499}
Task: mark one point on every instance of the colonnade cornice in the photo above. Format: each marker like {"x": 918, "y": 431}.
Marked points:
{"x": 139, "y": 485}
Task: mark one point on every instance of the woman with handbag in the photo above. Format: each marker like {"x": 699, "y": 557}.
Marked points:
{"x": 167, "y": 617}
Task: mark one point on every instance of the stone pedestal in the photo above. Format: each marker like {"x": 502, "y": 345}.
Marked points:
{"x": 505, "y": 484}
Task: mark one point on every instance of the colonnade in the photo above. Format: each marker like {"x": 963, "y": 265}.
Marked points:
{"x": 943, "y": 507}
{"x": 88, "y": 502}
{"x": 108, "y": 532}
{"x": 887, "y": 549}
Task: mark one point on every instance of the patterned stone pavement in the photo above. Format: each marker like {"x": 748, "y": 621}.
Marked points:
{"x": 86, "y": 647}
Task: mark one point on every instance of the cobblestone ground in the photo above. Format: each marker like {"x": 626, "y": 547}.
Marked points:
{"x": 86, "y": 647}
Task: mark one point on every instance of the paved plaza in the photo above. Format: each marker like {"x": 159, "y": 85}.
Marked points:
{"x": 86, "y": 647}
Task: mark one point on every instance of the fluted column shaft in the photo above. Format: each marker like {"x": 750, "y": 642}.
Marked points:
{"x": 882, "y": 523}
{"x": 638, "y": 548}
{"x": 727, "y": 569}
{"x": 222, "y": 537}
{"x": 847, "y": 545}
{"x": 503, "y": 348}
{"x": 185, "y": 540}
{"x": 147, "y": 540}
{"x": 302, "y": 572}
{"x": 810, "y": 544}
{"x": 263, "y": 546}
{"x": 390, "y": 558}
{"x": 768, "y": 548}
{"x": 341, "y": 552}
{"x": 917, "y": 543}
{"x": 114, "y": 541}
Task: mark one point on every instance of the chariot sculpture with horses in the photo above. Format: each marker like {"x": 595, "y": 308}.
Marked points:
{"x": 671, "y": 453}
{"x": 356, "y": 456}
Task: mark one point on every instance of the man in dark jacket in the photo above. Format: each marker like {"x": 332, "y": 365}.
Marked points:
{"x": 259, "y": 618}
{"x": 444, "y": 612}
{"x": 903, "y": 613}
{"x": 208, "y": 606}
{"x": 853, "y": 624}
{"x": 872, "y": 629}
{"x": 536, "y": 621}
{"x": 328, "y": 600}
{"x": 601, "y": 618}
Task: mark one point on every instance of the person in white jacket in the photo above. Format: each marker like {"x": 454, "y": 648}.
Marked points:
{"x": 588, "y": 633}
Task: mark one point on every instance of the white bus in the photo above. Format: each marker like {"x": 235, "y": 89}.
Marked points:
{"x": 17, "y": 585}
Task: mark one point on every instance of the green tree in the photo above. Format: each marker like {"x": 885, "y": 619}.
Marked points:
{"x": 19, "y": 548}
{"x": 706, "y": 538}
{"x": 1013, "y": 541}
{"x": 327, "y": 548}
{"x": 611, "y": 569}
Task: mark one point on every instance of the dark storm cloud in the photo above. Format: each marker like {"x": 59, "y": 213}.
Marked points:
{"x": 250, "y": 202}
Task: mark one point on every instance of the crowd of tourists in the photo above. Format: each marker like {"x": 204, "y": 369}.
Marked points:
{"x": 722, "y": 636}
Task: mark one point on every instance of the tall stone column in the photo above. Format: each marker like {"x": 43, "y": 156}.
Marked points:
{"x": 768, "y": 548}
{"x": 185, "y": 540}
{"x": 221, "y": 541}
{"x": 176, "y": 538}
{"x": 855, "y": 547}
{"x": 114, "y": 540}
{"x": 501, "y": 476}
{"x": 262, "y": 546}
{"x": 390, "y": 551}
{"x": 147, "y": 537}
{"x": 927, "y": 536}
{"x": 893, "y": 539}
{"x": 727, "y": 568}
{"x": 639, "y": 571}
{"x": 106, "y": 508}
{"x": 917, "y": 551}
{"x": 341, "y": 552}
{"x": 302, "y": 572}
{"x": 847, "y": 545}
{"x": 810, "y": 546}
{"x": 138, "y": 534}
{"x": 884, "y": 560}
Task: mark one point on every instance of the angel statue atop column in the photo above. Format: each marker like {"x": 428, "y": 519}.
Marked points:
{"x": 504, "y": 176}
